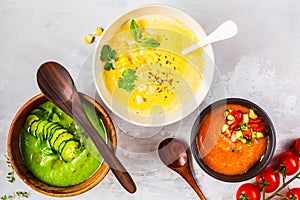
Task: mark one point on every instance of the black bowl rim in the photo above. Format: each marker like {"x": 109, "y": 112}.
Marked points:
{"x": 264, "y": 161}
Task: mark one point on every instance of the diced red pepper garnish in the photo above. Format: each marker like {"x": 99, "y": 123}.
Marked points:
{"x": 260, "y": 128}
{"x": 241, "y": 123}
{"x": 255, "y": 121}
{"x": 234, "y": 125}
{"x": 247, "y": 134}
{"x": 238, "y": 115}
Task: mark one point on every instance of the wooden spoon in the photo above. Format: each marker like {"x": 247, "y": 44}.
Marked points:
{"x": 58, "y": 86}
{"x": 174, "y": 155}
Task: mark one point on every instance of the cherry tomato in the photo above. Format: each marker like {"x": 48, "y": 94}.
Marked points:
{"x": 293, "y": 193}
{"x": 288, "y": 162}
{"x": 268, "y": 179}
{"x": 297, "y": 147}
{"x": 248, "y": 191}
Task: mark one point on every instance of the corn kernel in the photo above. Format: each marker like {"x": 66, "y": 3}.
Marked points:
{"x": 139, "y": 99}
{"x": 98, "y": 31}
{"x": 89, "y": 38}
{"x": 138, "y": 60}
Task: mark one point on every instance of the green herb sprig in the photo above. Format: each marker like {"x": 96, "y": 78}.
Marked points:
{"x": 10, "y": 176}
{"x": 126, "y": 81}
{"x": 15, "y": 195}
{"x": 109, "y": 56}
{"x": 136, "y": 32}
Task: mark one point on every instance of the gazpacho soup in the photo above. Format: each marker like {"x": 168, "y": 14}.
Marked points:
{"x": 232, "y": 139}
{"x": 56, "y": 150}
{"x": 143, "y": 68}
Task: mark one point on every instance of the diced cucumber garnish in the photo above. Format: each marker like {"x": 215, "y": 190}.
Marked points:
{"x": 238, "y": 135}
{"x": 259, "y": 135}
{"x": 230, "y": 117}
{"x": 224, "y": 128}
{"x": 252, "y": 114}
{"x": 245, "y": 118}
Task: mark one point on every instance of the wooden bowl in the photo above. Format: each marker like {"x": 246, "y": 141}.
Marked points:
{"x": 35, "y": 183}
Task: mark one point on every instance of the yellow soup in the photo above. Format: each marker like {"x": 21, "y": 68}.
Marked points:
{"x": 152, "y": 79}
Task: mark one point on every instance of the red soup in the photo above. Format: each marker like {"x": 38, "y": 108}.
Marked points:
{"x": 231, "y": 139}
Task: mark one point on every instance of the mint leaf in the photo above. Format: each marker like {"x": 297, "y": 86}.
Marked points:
{"x": 126, "y": 82}
{"x": 135, "y": 30}
{"x": 149, "y": 43}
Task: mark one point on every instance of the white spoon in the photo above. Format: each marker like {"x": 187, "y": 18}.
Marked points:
{"x": 226, "y": 30}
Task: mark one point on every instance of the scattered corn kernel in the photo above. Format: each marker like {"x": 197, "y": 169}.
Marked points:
{"x": 139, "y": 99}
{"x": 89, "y": 38}
{"x": 98, "y": 31}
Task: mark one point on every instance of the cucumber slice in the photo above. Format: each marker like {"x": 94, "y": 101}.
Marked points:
{"x": 52, "y": 130}
{"x": 56, "y": 134}
{"x": 61, "y": 138}
{"x": 29, "y": 120}
{"x": 45, "y": 130}
{"x": 38, "y": 110}
{"x": 39, "y": 132}
{"x": 33, "y": 127}
{"x": 70, "y": 150}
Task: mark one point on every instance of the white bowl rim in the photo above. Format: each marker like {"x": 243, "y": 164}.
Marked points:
{"x": 208, "y": 48}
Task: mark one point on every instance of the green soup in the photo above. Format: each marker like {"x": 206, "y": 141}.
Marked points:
{"x": 56, "y": 150}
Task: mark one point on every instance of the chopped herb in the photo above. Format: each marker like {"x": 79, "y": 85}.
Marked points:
{"x": 126, "y": 82}
{"x": 250, "y": 141}
{"x": 10, "y": 176}
{"x": 15, "y": 195}
{"x": 236, "y": 151}
{"x": 136, "y": 32}
{"x": 109, "y": 56}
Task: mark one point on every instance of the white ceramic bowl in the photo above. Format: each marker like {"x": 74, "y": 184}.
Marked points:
{"x": 154, "y": 120}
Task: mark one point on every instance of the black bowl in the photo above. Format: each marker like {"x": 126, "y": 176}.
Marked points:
{"x": 259, "y": 166}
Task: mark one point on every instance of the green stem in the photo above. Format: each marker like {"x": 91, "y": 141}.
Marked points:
{"x": 276, "y": 193}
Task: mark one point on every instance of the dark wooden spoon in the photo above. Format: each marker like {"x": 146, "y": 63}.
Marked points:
{"x": 174, "y": 155}
{"x": 58, "y": 86}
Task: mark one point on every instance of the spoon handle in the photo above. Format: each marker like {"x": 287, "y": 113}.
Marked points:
{"x": 226, "y": 30}
{"x": 58, "y": 86}
{"x": 190, "y": 179}
{"x": 115, "y": 165}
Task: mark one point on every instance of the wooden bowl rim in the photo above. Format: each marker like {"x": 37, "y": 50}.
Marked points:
{"x": 32, "y": 181}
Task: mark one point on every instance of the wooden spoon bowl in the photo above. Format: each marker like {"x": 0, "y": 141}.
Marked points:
{"x": 175, "y": 156}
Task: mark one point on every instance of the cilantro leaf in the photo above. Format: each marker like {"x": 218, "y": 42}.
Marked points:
{"x": 109, "y": 56}
{"x": 149, "y": 43}
{"x": 126, "y": 82}
{"x": 135, "y": 30}
{"x": 108, "y": 66}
